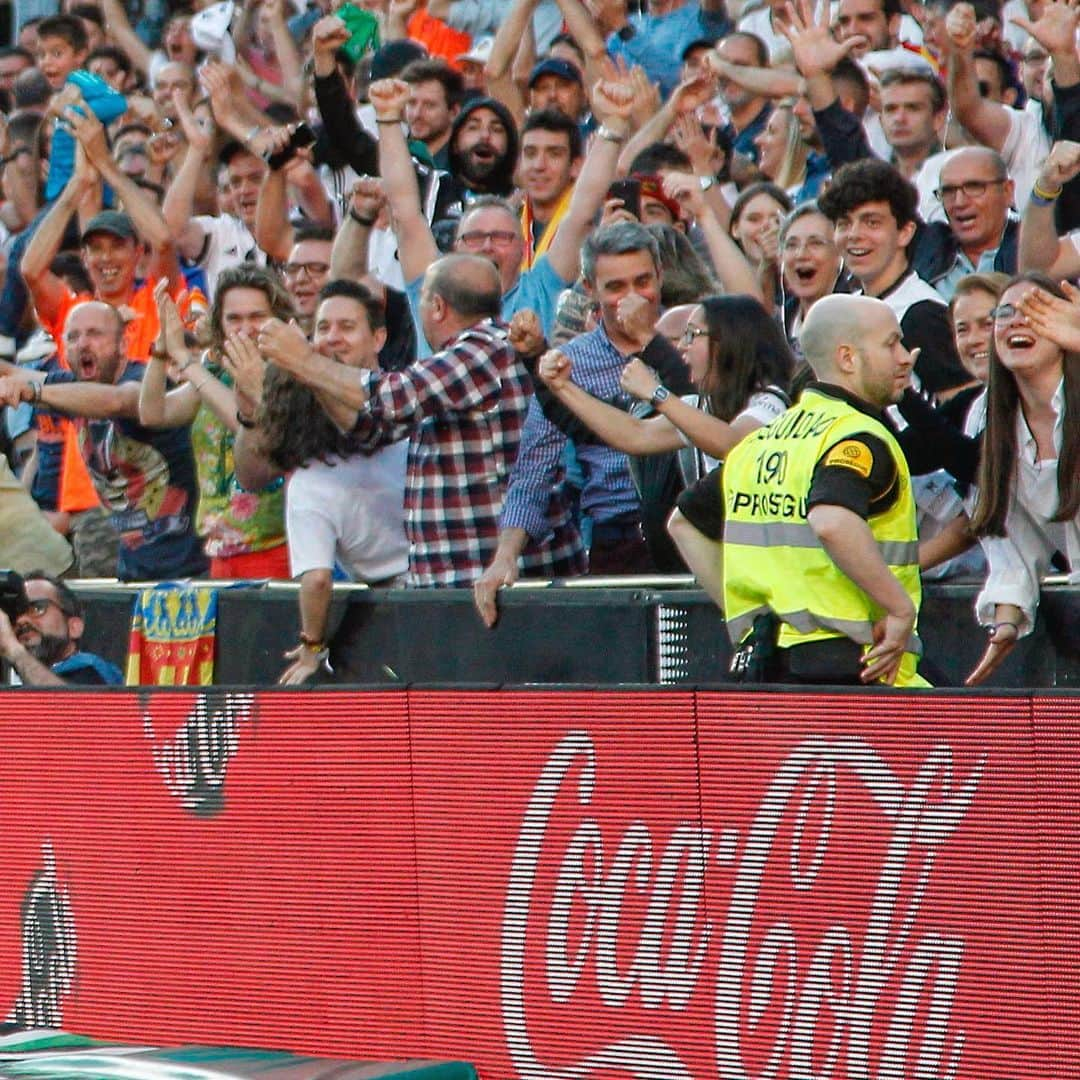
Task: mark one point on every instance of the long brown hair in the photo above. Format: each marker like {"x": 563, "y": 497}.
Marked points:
{"x": 997, "y": 467}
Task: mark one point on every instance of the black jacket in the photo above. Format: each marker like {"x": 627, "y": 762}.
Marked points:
{"x": 934, "y": 249}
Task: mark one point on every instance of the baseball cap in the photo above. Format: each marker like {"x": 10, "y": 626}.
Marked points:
{"x": 480, "y": 50}
{"x": 112, "y": 222}
{"x": 554, "y": 66}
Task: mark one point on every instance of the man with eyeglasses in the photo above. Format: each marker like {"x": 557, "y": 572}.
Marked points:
{"x": 981, "y": 234}
{"x": 308, "y": 270}
{"x": 43, "y": 645}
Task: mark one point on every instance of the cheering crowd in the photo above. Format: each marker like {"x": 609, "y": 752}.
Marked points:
{"x": 449, "y": 295}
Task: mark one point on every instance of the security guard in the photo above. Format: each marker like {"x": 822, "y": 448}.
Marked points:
{"x": 817, "y": 516}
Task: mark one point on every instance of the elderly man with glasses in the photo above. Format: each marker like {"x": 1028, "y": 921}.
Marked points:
{"x": 43, "y": 644}
{"x": 981, "y": 233}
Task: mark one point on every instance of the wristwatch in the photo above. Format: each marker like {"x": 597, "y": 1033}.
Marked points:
{"x": 706, "y": 182}
{"x": 659, "y": 395}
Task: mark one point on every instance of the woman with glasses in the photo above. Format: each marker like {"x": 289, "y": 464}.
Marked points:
{"x": 810, "y": 265}
{"x": 1027, "y": 506}
{"x": 740, "y": 364}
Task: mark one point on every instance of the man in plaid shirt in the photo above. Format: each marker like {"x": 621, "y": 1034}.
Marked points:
{"x": 462, "y": 408}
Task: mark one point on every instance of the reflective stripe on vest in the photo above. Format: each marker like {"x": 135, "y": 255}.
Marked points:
{"x": 773, "y": 560}
{"x": 783, "y": 534}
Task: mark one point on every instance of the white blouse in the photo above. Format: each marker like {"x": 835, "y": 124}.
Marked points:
{"x": 1020, "y": 559}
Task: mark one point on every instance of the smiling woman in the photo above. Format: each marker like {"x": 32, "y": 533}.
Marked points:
{"x": 1027, "y": 509}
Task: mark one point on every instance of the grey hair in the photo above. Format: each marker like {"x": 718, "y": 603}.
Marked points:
{"x": 619, "y": 238}
{"x": 802, "y": 210}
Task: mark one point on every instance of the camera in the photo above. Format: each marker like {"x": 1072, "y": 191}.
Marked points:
{"x": 13, "y": 602}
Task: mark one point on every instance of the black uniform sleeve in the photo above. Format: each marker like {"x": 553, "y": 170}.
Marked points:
{"x": 343, "y": 131}
{"x": 931, "y": 441}
{"x": 858, "y": 473}
{"x": 669, "y": 365}
{"x": 702, "y": 504}
{"x": 925, "y": 326}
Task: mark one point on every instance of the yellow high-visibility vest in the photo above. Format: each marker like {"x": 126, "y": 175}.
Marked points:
{"x": 773, "y": 561}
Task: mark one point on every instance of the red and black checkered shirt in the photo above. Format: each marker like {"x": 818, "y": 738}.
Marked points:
{"x": 463, "y": 409}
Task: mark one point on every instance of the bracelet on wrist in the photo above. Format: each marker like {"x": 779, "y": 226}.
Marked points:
{"x": 368, "y": 223}
{"x": 310, "y": 643}
{"x": 36, "y": 387}
{"x": 1041, "y": 197}
{"x": 244, "y": 421}
{"x": 606, "y": 133}
{"x": 252, "y": 133}
{"x": 994, "y": 627}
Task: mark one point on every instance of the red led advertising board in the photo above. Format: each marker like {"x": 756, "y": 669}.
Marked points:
{"x": 594, "y": 885}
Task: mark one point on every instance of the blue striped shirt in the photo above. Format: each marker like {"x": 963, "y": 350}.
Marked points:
{"x": 609, "y": 490}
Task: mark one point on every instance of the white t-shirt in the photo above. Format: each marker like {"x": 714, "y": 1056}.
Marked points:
{"x": 1024, "y": 150}
{"x": 352, "y": 511}
{"x": 227, "y": 242}
{"x": 764, "y": 406}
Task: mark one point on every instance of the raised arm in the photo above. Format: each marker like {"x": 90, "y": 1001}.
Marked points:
{"x": 178, "y": 206}
{"x": 46, "y": 289}
{"x": 511, "y": 33}
{"x": 710, "y": 434}
{"x": 273, "y": 230}
{"x": 1040, "y": 246}
{"x": 288, "y": 56}
{"x": 613, "y": 102}
{"x": 416, "y": 245}
{"x": 124, "y": 36}
{"x": 349, "y": 256}
{"x": 731, "y": 265}
{"x": 140, "y": 207}
{"x": 987, "y": 121}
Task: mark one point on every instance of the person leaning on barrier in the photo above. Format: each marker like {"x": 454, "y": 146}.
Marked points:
{"x": 817, "y": 517}
{"x": 43, "y": 643}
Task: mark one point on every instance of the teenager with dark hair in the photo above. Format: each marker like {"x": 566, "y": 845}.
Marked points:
{"x": 875, "y": 213}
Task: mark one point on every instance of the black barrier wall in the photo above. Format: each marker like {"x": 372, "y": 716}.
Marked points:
{"x": 562, "y": 635}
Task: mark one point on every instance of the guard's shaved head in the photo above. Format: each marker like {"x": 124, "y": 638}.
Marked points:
{"x": 835, "y": 321}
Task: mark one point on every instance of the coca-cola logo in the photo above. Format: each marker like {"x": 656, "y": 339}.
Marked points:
{"x": 193, "y": 760}
{"x": 870, "y": 994}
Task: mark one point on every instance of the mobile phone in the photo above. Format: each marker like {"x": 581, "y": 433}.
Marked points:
{"x": 301, "y": 137}
{"x": 629, "y": 191}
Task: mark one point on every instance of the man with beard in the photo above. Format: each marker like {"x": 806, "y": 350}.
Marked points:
{"x": 43, "y": 645}
{"x": 145, "y": 478}
{"x": 484, "y": 148}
